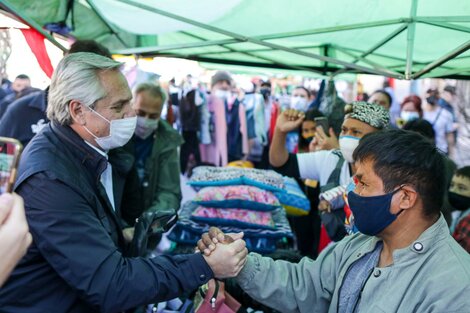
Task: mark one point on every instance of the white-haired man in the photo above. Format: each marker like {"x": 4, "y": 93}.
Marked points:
{"x": 71, "y": 186}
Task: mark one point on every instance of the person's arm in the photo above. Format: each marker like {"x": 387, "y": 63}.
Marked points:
{"x": 286, "y": 122}
{"x": 76, "y": 244}
{"x": 285, "y": 286}
{"x": 290, "y": 287}
{"x": 14, "y": 234}
{"x": 451, "y": 143}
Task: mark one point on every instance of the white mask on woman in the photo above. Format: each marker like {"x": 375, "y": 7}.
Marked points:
{"x": 299, "y": 104}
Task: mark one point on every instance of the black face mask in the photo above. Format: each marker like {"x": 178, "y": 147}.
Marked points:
{"x": 432, "y": 100}
{"x": 459, "y": 202}
{"x": 265, "y": 92}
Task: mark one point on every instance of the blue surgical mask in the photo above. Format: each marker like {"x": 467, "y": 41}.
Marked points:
{"x": 372, "y": 214}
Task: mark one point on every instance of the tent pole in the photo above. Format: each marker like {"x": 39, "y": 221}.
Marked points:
{"x": 446, "y": 25}
{"x": 410, "y": 40}
{"x": 9, "y": 7}
{"x": 375, "y": 65}
{"x": 375, "y": 47}
{"x": 444, "y": 19}
{"x": 252, "y": 40}
{"x": 448, "y": 73}
{"x": 261, "y": 50}
{"x": 176, "y": 46}
{"x": 113, "y": 31}
{"x": 295, "y": 67}
{"x": 331, "y": 29}
{"x": 443, "y": 59}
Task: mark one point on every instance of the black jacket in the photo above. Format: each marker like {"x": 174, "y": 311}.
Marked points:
{"x": 75, "y": 263}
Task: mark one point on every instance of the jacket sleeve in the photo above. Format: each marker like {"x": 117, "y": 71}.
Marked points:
{"x": 290, "y": 288}
{"x": 77, "y": 244}
{"x": 168, "y": 189}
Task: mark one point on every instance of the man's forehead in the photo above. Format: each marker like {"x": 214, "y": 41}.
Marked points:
{"x": 461, "y": 179}
{"x": 364, "y": 168}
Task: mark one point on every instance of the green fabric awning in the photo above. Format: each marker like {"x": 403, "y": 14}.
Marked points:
{"x": 405, "y": 39}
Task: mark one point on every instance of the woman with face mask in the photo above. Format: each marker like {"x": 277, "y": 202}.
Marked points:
{"x": 300, "y": 101}
{"x": 331, "y": 168}
{"x": 410, "y": 110}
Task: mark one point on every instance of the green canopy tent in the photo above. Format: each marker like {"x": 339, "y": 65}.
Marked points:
{"x": 404, "y": 39}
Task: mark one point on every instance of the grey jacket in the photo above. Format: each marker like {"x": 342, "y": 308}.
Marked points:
{"x": 431, "y": 275}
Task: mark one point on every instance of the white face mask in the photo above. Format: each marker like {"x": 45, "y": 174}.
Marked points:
{"x": 120, "y": 132}
{"x": 347, "y": 145}
{"x": 299, "y": 104}
{"x": 409, "y": 115}
{"x": 145, "y": 127}
{"x": 223, "y": 94}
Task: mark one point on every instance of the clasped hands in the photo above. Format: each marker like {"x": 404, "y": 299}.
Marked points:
{"x": 226, "y": 254}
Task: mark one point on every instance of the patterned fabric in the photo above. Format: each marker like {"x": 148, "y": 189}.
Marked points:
{"x": 462, "y": 233}
{"x": 294, "y": 200}
{"x": 370, "y": 113}
{"x": 236, "y": 217}
{"x": 239, "y": 196}
{"x": 187, "y": 231}
{"x": 222, "y": 176}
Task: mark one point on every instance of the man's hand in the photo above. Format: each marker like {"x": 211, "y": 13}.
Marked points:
{"x": 128, "y": 234}
{"x": 324, "y": 142}
{"x": 209, "y": 240}
{"x": 14, "y": 233}
{"x": 324, "y": 206}
{"x": 227, "y": 260}
{"x": 289, "y": 120}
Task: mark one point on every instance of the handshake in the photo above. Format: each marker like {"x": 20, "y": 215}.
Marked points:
{"x": 226, "y": 254}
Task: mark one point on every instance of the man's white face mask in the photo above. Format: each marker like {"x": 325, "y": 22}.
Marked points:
{"x": 120, "y": 132}
{"x": 145, "y": 127}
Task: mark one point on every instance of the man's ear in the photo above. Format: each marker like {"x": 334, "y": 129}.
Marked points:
{"x": 407, "y": 197}
{"x": 77, "y": 112}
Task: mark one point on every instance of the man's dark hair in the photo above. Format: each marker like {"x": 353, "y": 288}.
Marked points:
{"x": 89, "y": 46}
{"x": 266, "y": 83}
{"x": 450, "y": 89}
{"x": 403, "y": 157}
{"x": 463, "y": 171}
{"x": 22, "y": 76}
{"x": 422, "y": 127}
{"x": 385, "y": 93}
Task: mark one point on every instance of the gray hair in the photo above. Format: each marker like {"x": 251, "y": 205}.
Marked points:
{"x": 76, "y": 78}
{"x": 154, "y": 90}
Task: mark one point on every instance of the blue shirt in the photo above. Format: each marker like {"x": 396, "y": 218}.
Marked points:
{"x": 355, "y": 280}
{"x": 143, "y": 148}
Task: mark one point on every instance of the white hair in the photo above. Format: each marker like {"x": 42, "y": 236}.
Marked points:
{"x": 76, "y": 78}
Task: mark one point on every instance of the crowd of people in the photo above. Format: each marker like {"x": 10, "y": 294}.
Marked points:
{"x": 389, "y": 224}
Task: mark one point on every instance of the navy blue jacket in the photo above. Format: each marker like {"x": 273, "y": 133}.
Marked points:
{"x": 25, "y": 117}
{"x": 75, "y": 263}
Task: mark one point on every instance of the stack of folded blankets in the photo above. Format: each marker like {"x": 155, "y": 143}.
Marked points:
{"x": 238, "y": 200}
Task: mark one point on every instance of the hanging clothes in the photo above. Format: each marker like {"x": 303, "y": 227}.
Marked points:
{"x": 217, "y": 152}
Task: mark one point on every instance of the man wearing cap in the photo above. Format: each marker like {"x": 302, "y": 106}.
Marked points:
{"x": 328, "y": 167}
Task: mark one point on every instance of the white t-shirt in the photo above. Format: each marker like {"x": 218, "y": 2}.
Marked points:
{"x": 320, "y": 164}
{"x": 442, "y": 123}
